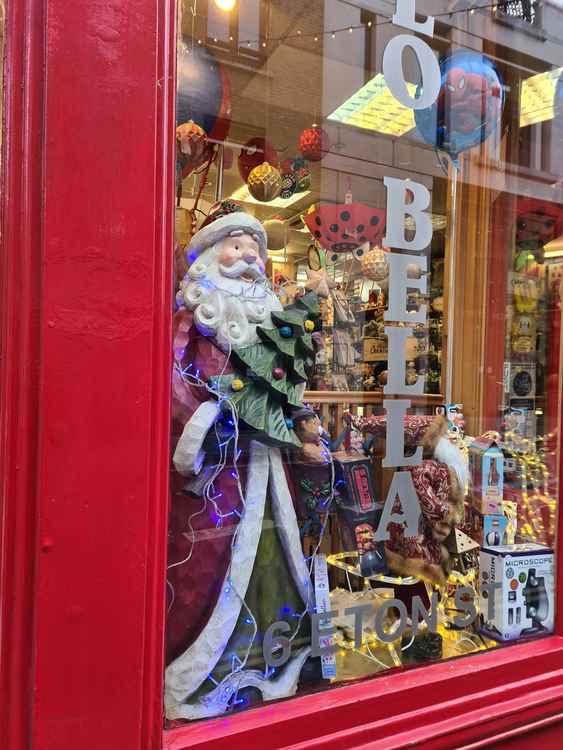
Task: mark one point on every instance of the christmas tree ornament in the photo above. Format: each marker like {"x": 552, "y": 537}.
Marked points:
{"x": 278, "y": 373}
{"x": 341, "y": 228}
{"x": 469, "y": 105}
{"x": 303, "y": 175}
{"x": 375, "y": 267}
{"x": 203, "y": 91}
{"x": 237, "y": 385}
{"x": 264, "y": 182}
{"x": 192, "y": 147}
{"x": 289, "y": 185}
{"x": 277, "y": 234}
{"x": 256, "y": 151}
{"x": 286, "y": 332}
{"x": 314, "y": 143}
{"x": 309, "y": 326}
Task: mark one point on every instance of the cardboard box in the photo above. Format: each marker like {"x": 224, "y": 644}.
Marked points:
{"x": 486, "y": 470}
{"x": 454, "y": 414}
{"x": 488, "y": 529}
{"x": 516, "y": 591}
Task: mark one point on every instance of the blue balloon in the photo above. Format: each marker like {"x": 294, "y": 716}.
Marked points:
{"x": 469, "y": 105}
{"x": 203, "y": 92}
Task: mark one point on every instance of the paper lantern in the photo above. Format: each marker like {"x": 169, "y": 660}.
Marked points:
{"x": 264, "y": 182}
{"x": 343, "y": 227}
{"x": 314, "y": 143}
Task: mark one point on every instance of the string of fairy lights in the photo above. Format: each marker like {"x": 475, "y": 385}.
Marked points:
{"x": 319, "y": 36}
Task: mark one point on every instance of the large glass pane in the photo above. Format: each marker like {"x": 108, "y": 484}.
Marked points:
{"x": 367, "y": 343}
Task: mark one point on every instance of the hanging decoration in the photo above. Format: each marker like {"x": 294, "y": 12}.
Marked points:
{"x": 192, "y": 147}
{"x": 203, "y": 92}
{"x": 289, "y": 185}
{"x": 299, "y": 168}
{"x": 276, "y": 230}
{"x": 342, "y": 228}
{"x": 375, "y": 266}
{"x": 314, "y": 143}
{"x": 264, "y": 182}
{"x": 255, "y": 152}
{"x": 468, "y": 108}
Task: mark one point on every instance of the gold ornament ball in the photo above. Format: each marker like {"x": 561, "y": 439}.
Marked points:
{"x": 374, "y": 265}
{"x": 309, "y": 326}
{"x": 237, "y": 385}
{"x": 264, "y": 182}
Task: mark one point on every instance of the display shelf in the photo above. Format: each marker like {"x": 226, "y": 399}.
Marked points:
{"x": 368, "y": 397}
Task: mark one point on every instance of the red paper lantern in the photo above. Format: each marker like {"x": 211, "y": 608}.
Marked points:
{"x": 314, "y": 143}
{"x": 341, "y": 228}
{"x": 255, "y": 152}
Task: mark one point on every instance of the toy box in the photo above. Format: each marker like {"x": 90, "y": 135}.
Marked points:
{"x": 486, "y": 472}
{"x": 454, "y": 414}
{"x": 516, "y": 591}
{"x": 489, "y": 529}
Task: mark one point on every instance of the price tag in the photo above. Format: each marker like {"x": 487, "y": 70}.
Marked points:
{"x": 322, "y": 601}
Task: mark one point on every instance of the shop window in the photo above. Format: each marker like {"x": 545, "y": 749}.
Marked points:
{"x": 365, "y": 447}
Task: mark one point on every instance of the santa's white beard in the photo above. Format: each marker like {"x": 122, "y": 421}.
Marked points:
{"x": 227, "y": 309}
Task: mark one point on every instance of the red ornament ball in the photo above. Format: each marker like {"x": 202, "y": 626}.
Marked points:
{"x": 278, "y": 373}
{"x": 314, "y": 143}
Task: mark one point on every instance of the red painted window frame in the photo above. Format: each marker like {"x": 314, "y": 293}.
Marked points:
{"x": 87, "y": 238}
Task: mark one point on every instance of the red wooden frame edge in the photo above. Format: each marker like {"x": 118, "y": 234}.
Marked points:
{"x": 439, "y": 706}
{"x": 20, "y": 304}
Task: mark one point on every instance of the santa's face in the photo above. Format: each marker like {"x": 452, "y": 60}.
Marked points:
{"x": 239, "y": 257}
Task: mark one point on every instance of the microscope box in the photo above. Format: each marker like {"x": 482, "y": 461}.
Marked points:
{"x": 516, "y": 591}
{"x": 486, "y": 471}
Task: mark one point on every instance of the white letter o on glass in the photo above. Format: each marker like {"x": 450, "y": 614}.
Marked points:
{"x": 395, "y": 77}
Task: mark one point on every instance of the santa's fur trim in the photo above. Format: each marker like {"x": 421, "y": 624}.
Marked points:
{"x": 221, "y": 228}
{"x": 448, "y": 453}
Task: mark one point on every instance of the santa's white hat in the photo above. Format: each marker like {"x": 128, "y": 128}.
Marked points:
{"x": 226, "y": 219}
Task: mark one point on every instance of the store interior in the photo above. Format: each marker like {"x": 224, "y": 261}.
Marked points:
{"x": 282, "y": 108}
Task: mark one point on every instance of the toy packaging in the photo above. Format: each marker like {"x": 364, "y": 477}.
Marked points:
{"x": 454, "y": 414}
{"x": 489, "y": 529}
{"x": 486, "y": 471}
{"x": 523, "y": 604}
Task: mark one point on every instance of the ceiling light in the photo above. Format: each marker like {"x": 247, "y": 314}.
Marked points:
{"x": 536, "y": 97}
{"x": 373, "y": 107}
{"x": 225, "y": 5}
{"x": 243, "y": 195}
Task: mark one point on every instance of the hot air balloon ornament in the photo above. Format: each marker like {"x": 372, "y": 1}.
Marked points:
{"x": 469, "y": 105}
{"x": 345, "y": 227}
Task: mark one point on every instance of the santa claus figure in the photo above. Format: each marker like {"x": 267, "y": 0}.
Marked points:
{"x": 235, "y": 560}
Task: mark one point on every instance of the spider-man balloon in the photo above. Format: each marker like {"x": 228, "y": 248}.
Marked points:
{"x": 468, "y": 108}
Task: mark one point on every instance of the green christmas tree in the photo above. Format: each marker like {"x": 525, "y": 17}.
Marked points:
{"x": 269, "y": 377}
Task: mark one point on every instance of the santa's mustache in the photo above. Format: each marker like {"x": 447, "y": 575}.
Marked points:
{"x": 242, "y": 268}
